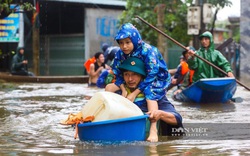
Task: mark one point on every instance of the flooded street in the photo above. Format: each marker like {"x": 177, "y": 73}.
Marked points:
{"x": 30, "y": 115}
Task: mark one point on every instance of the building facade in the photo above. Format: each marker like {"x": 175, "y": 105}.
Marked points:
{"x": 244, "y": 42}
{"x": 72, "y": 31}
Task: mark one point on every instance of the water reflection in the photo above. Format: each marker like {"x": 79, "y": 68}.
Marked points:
{"x": 123, "y": 149}
{"x": 30, "y": 116}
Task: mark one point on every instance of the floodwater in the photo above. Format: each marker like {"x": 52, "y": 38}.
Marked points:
{"x": 30, "y": 115}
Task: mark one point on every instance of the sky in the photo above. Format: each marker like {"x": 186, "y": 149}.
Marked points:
{"x": 234, "y": 10}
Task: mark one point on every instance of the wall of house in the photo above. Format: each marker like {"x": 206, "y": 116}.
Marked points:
{"x": 100, "y": 27}
{"x": 244, "y": 41}
{"x": 61, "y": 38}
{"x": 218, "y": 37}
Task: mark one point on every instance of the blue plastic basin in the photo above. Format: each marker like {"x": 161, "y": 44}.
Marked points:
{"x": 124, "y": 129}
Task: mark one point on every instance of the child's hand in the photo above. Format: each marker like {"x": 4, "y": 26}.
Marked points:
{"x": 132, "y": 97}
{"x": 100, "y": 69}
{"x": 124, "y": 93}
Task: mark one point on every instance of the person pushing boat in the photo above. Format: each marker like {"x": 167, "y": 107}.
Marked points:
{"x": 133, "y": 72}
{"x": 157, "y": 78}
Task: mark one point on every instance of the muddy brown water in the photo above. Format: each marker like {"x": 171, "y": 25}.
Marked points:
{"x": 30, "y": 115}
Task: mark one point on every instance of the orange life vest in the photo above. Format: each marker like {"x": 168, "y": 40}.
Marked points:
{"x": 88, "y": 63}
{"x": 191, "y": 73}
{"x": 185, "y": 69}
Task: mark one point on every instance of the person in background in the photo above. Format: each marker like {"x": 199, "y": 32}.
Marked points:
{"x": 157, "y": 79}
{"x": 109, "y": 53}
{"x": 96, "y": 68}
{"x": 133, "y": 71}
{"x": 105, "y": 78}
{"x": 177, "y": 77}
{"x": 91, "y": 60}
{"x": 186, "y": 80}
{"x": 208, "y": 52}
{"x": 19, "y": 65}
{"x": 105, "y": 47}
{"x": 182, "y": 70}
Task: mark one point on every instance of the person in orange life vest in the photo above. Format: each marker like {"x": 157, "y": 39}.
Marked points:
{"x": 91, "y": 60}
{"x": 186, "y": 79}
{"x": 96, "y": 68}
{"x": 177, "y": 77}
{"x": 87, "y": 65}
{"x": 185, "y": 69}
{"x": 182, "y": 70}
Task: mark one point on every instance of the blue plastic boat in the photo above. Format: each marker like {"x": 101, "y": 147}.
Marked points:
{"x": 118, "y": 130}
{"x": 213, "y": 90}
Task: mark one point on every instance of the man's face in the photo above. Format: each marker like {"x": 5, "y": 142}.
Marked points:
{"x": 21, "y": 51}
{"x": 126, "y": 45}
{"x": 132, "y": 79}
{"x": 205, "y": 41}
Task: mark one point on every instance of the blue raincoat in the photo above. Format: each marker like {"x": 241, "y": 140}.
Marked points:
{"x": 155, "y": 84}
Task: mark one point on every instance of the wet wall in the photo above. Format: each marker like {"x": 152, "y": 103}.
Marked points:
{"x": 244, "y": 41}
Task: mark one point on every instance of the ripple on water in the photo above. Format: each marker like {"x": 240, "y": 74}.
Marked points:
{"x": 30, "y": 115}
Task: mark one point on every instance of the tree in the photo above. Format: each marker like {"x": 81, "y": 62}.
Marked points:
{"x": 175, "y": 23}
{"x": 175, "y": 17}
{"x": 5, "y": 9}
{"x": 218, "y": 4}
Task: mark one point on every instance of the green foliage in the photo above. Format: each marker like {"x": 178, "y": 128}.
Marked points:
{"x": 5, "y": 7}
{"x": 236, "y": 34}
{"x": 175, "y": 23}
{"x": 225, "y": 35}
{"x": 27, "y": 6}
{"x": 220, "y": 3}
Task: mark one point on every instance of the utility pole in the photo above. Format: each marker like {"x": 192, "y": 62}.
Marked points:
{"x": 35, "y": 40}
{"x": 198, "y": 16}
{"x": 21, "y": 29}
{"x": 196, "y": 40}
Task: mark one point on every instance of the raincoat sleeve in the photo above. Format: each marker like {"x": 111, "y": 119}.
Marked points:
{"x": 15, "y": 64}
{"x": 193, "y": 62}
{"x": 152, "y": 68}
{"x": 118, "y": 74}
{"x": 223, "y": 63}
